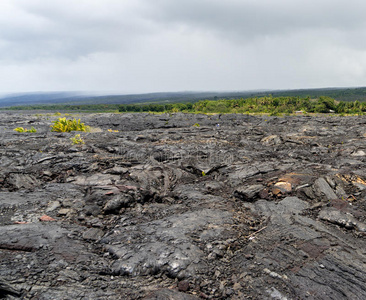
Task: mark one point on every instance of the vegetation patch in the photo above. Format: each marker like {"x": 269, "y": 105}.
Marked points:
{"x": 345, "y": 102}
{"x": 65, "y": 125}
{"x": 77, "y": 139}
{"x": 274, "y": 106}
{"x": 21, "y": 129}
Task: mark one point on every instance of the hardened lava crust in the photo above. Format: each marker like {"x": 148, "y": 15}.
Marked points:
{"x": 182, "y": 207}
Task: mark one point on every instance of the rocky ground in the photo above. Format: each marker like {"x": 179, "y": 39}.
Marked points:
{"x": 252, "y": 208}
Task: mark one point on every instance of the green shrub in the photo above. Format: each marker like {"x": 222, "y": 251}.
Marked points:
{"x": 64, "y": 125}
{"x": 77, "y": 140}
{"x": 196, "y": 125}
{"x": 21, "y": 129}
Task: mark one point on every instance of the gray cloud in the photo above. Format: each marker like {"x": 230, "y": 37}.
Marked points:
{"x": 164, "y": 45}
{"x": 70, "y": 29}
{"x": 255, "y": 19}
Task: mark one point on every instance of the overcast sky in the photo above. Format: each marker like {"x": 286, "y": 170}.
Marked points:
{"x": 138, "y": 46}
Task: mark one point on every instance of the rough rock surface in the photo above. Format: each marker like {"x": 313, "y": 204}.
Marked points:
{"x": 256, "y": 208}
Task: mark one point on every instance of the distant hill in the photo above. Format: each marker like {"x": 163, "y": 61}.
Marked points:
{"x": 340, "y": 94}
{"x": 79, "y": 99}
{"x": 343, "y": 94}
{"x": 38, "y": 98}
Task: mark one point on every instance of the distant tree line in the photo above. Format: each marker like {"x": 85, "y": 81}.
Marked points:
{"x": 176, "y": 107}
{"x": 266, "y": 104}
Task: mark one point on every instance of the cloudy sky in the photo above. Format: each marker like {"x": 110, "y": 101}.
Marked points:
{"x": 138, "y": 46}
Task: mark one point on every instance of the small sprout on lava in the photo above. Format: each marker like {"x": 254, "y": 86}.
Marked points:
{"x": 77, "y": 140}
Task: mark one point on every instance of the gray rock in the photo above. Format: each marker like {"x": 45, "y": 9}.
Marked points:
{"x": 248, "y": 193}
{"x": 346, "y": 220}
{"x": 322, "y": 189}
{"x": 29, "y": 237}
{"x": 117, "y": 202}
{"x": 165, "y": 245}
{"x": 96, "y": 179}
{"x": 93, "y": 234}
{"x": 7, "y": 291}
{"x": 166, "y": 294}
{"x": 53, "y": 206}
{"x": 22, "y": 181}
{"x": 271, "y": 140}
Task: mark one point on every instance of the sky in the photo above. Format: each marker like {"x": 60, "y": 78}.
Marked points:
{"x": 141, "y": 46}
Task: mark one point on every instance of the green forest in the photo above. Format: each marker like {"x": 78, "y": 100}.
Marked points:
{"x": 266, "y": 104}
{"x": 269, "y": 105}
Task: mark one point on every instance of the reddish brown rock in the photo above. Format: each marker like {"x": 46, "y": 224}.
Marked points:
{"x": 46, "y": 218}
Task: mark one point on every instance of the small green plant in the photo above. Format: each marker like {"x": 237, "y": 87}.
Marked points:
{"x": 64, "y": 125}
{"x": 57, "y": 114}
{"x": 21, "y": 129}
{"x": 77, "y": 140}
{"x": 203, "y": 173}
{"x": 196, "y": 125}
